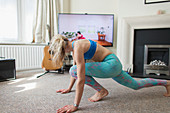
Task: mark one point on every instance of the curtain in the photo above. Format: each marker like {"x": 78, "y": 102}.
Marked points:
{"x": 45, "y": 22}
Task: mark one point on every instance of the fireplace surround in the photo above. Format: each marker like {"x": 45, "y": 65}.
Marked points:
{"x": 126, "y": 33}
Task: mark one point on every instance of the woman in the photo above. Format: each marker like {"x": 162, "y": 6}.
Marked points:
{"x": 79, "y": 36}
{"x": 105, "y": 65}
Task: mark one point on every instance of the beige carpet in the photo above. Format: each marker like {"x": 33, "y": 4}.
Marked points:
{"x": 28, "y": 94}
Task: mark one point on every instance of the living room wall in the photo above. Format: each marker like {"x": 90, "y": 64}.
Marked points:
{"x": 130, "y": 8}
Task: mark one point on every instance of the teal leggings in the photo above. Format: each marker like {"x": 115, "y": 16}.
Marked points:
{"x": 111, "y": 67}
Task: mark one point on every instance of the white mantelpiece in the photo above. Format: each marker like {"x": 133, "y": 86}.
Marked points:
{"x": 125, "y": 40}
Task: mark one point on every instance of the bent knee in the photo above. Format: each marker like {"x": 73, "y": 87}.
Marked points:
{"x": 73, "y": 71}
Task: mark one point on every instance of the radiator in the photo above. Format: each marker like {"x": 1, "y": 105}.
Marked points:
{"x": 26, "y": 56}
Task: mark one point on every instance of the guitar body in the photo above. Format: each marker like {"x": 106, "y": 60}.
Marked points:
{"x": 47, "y": 62}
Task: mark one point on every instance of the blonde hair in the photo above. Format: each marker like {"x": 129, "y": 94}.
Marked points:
{"x": 57, "y": 47}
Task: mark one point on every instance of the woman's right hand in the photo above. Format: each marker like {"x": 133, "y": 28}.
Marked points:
{"x": 62, "y": 91}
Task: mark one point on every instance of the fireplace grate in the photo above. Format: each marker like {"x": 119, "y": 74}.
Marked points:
{"x": 156, "y": 60}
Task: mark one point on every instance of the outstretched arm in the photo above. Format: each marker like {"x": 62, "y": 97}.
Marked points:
{"x": 79, "y": 58}
{"x": 72, "y": 81}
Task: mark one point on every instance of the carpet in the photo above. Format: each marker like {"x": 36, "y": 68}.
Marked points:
{"x": 28, "y": 94}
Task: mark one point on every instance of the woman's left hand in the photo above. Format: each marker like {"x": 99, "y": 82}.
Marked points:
{"x": 67, "y": 109}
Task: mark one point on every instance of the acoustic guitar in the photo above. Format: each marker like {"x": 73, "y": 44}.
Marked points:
{"x": 47, "y": 62}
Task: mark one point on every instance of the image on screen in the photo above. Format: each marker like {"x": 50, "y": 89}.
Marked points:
{"x": 96, "y": 27}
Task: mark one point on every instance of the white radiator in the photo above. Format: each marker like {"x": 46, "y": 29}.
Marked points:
{"x": 26, "y": 56}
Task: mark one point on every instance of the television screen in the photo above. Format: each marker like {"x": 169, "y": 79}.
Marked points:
{"x": 97, "y": 27}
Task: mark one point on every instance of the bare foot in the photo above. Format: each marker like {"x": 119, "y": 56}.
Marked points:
{"x": 168, "y": 89}
{"x": 99, "y": 95}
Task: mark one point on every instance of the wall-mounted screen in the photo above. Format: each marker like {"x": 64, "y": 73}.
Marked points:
{"x": 97, "y": 27}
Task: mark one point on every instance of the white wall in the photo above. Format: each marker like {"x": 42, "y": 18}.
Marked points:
{"x": 66, "y": 6}
{"x": 130, "y": 8}
{"x": 94, "y": 6}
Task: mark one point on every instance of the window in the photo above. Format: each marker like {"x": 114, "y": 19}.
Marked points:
{"x": 16, "y": 20}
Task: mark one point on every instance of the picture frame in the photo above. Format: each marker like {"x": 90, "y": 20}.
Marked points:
{"x": 155, "y": 1}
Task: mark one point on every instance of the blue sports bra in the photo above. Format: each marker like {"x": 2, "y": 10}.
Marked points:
{"x": 90, "y": 53}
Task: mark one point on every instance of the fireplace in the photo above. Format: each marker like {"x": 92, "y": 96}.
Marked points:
{"x": 156, "y": 60}
{"x": 128, "y": 50}
{"x": 151, "y": 46}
